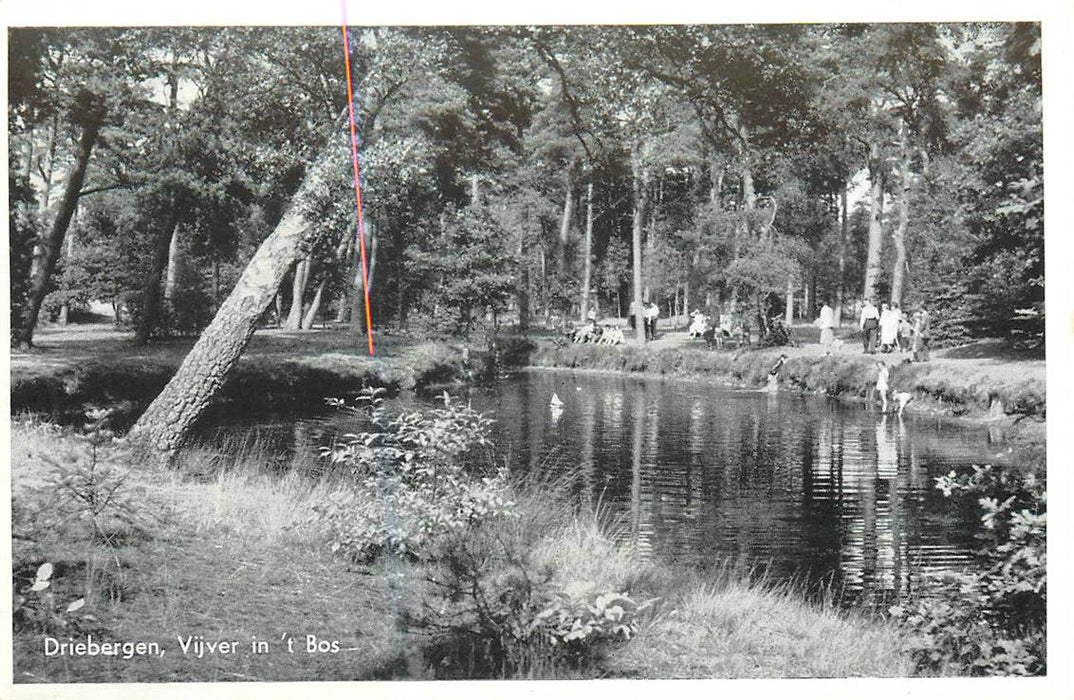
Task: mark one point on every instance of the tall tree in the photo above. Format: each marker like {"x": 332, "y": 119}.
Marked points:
{"x": 165, "y": 424}
{"x": 93, "y": 79}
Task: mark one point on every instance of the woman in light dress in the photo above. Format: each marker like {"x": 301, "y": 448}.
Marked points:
{"x": 889, "y": 327}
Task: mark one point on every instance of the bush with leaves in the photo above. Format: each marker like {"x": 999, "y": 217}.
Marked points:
{"x": 495, "y": 608}
{"x": 991, "y": 622}
{"x": 413, "y": 480}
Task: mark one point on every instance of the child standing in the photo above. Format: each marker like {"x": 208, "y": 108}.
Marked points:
{"x": 882, "y": 385}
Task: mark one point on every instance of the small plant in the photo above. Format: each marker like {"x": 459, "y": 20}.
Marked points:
{"x": 36, "y": 607}
{"x": 991, "y": 622}
{"x": 496, "y": 610}
{"x": 84, "y": 486}
{"x": 412, "y": 481}
{"x": 81, "y": 500}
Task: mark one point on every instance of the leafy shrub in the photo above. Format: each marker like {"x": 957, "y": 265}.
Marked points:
{"x": 497, "y": 607}
{"x": 512, "y": 351}
{"x": 992, "y": 622}
{"x": 437, "y": 363}
{"x": 410, "y": 481}
{"x": 1026, "y": 398}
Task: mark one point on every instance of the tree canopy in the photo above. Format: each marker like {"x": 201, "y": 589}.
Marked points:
{"x": 509, "y": 171}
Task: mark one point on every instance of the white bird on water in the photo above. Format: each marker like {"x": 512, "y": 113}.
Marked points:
{"x": 556, "y": 401}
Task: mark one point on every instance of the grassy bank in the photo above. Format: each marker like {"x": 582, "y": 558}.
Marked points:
{"x": 226, "y": 549}
{"x": 79, "y": 368}
{"x": 997, "y": 390}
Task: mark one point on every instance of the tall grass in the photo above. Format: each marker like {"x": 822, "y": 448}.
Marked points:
{"x": 234, "y": 546}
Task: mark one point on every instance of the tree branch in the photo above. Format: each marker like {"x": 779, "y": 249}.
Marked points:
{"x": 106, "y": 188}
{"x": 572, "y": 103}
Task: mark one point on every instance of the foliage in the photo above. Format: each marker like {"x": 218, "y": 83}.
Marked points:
{"x": 410, "y": 481}
{"x": 83, "y": 492}
{"x": 38, "y": 608}
{"x": 496, "y": 609}
{"x": 472, "y": 265}
{"x": 21, "y": 237}
{"x": 991, "y": 622}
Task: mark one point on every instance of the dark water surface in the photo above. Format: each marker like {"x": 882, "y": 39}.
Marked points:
{"x": 805, "y": 486}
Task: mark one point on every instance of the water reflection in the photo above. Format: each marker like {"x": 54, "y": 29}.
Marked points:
{"x": 810, "y": 487}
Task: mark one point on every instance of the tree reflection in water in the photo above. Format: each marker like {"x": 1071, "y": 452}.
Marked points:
{"x": 805, "y": 486}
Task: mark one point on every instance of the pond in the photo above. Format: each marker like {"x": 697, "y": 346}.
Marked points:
{"x": 831, "y": 494}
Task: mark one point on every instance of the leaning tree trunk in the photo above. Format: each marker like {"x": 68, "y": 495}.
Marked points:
{"x": 315, "y": 307}
{"x": 876, "y": 234}
{"x": 166, "y": 422}
{"x": 587, "y": 269}
{"x": 54, "y": 243}
{"x": 899, "y": 234}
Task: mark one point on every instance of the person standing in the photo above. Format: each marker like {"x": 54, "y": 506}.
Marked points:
{"x": 902, "y": 338}
{"x": 826, "y": 323}
{"x": 920, "y": 345}
{"x": 882, "y": 385}
{"x": 889, "y": 327}
{"x": 652, "y": 313}
{"x": 632, "y": 318}
{"x": 868, "y": 324}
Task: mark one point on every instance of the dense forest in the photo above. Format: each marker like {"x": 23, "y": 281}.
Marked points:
{"x": 526, "y": 175}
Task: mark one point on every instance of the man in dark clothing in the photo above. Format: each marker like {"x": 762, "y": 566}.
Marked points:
{"x": 869, "y": 323}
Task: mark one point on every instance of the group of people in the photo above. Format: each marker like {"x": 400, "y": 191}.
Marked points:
{"x": 888, "y": 329}
{"x": 729, "y": 327}
{"x": 593, "y": 332}
{"x": 651, "y": 313}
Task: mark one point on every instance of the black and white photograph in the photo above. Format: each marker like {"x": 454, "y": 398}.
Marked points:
{"x": 528, "y": 351}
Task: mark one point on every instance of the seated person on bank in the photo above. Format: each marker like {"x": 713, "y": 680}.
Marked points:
{"x": 586, "y": 333}
{"x": 699, "y": 325}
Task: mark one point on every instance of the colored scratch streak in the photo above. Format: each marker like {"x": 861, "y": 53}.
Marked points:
{"x": 357, "y": 183}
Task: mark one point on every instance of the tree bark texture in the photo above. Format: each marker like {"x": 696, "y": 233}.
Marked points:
{"x": 171, "y": 277}
{"x": 151, "y": 291}
{"x": 899, "y": 234}
{"x": 315, "y": 307}
{"x": 522, "y": 287}
{"x": 166, "y": 422}
{"x": 298, "y": 291}
{"x": 639, "y": 212}
{"x": 357, "y": 287}
{"x": 587, "y": 269}
{"x": 876, "y": 215}
{"x": 788, "y": 310}
{"x": 54, "y": 242}
{"x": 844, "y": 228}
{"x": 565, "y": 221}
